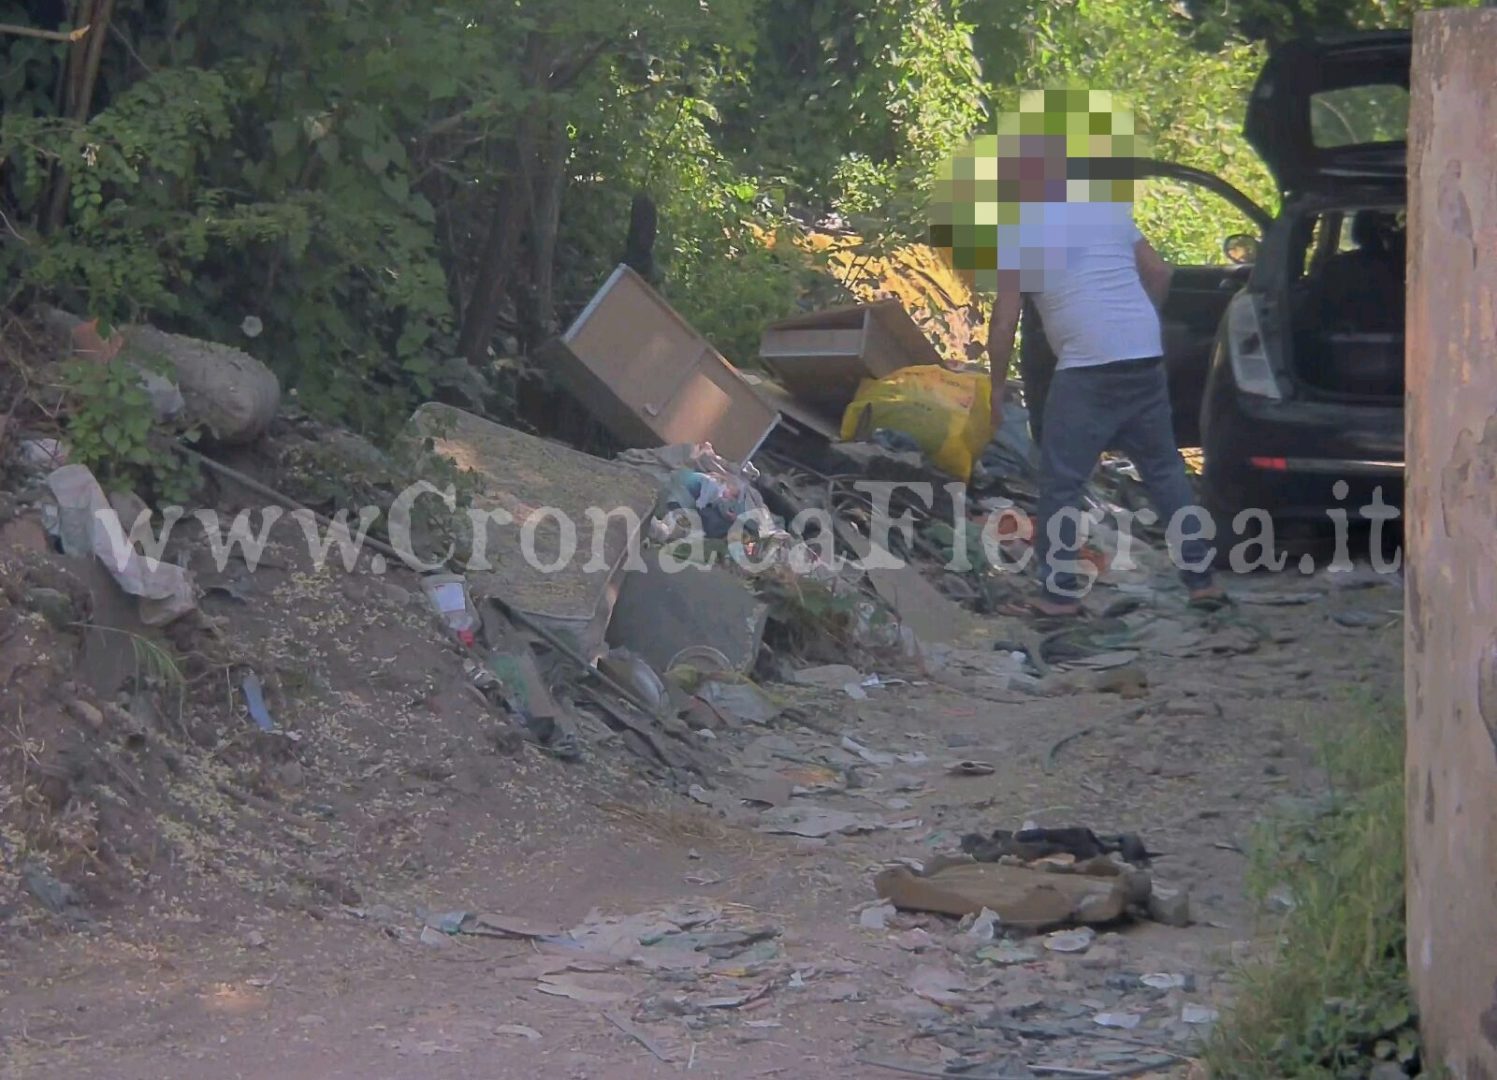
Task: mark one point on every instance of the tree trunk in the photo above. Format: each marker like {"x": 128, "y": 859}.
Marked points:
{"x": 80, "y": 78}
{"x": 501, "y": 242}
{"x": 546, "y": 191}
{"x": 495, "y": 268}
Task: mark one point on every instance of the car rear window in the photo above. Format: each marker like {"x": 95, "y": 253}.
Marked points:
{"x": 1359, "y": 115}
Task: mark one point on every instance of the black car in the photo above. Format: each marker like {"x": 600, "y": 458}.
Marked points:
{"x": 1286, "y": 366}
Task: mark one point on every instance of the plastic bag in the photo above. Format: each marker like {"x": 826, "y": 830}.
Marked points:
{"x": 948, "y": 413}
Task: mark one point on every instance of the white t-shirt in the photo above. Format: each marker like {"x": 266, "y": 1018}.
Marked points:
{"x": 1089, "y": 294}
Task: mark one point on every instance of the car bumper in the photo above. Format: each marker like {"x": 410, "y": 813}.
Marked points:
{"x": 1292, "y": 458}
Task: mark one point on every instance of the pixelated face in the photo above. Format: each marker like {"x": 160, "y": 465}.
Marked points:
{"x": 1011, "y": 205}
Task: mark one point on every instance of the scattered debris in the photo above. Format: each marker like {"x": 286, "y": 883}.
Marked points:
{"x": 450, "y": 599}
{"x": 56, "y": 896}
{"x": 633, "y": 1030}
{"x": 1164, "y": 981}
{"x": 873, "y": 757}
{"x": 817, "y": 822}
{"x": 877, "y": 917}
{"x": 1007, "y": 955}
{"x": 1365, "y": 620}
{"x": 515, "y": 475}
{"x": 1171, "y": 907}
{"x": 829, "y": 676}
{"x": 254, "y": 699}
{"x": 986, "y": 926}
{"x": 1022, "y": 897}
{"x": 939, "y": 984}
{"x": 591, "y": 989}
{"x": 744, "y": 701}
{"x": 1199, "y": 1014}
{"x": 519, "y": 1031}
{"x": 1125, "y": 1021}
{"x": 663, "y": 617}
{"x": 1071, "y": 941}
{"x": 1033, "y": 844}
{"x": 915, "y": 940}
{"x": 1266, "y": 598}
{"x": 91, "y": 528}
{"x": 509, "y": 926}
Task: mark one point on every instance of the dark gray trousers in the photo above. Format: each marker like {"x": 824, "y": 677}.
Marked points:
{"x": 1122, "y": 406}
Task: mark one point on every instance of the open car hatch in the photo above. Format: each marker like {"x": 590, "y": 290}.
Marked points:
{"x": 1332, "y": 113}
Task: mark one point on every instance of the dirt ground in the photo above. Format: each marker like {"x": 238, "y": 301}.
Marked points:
{"x": 273, "y": 924}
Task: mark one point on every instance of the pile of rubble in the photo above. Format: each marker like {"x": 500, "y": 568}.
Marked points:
{"x": 667, "y": 599}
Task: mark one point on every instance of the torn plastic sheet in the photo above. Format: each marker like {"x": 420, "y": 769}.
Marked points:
{"x": 89, "y": 524}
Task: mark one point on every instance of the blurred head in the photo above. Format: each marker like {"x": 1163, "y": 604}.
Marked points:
{"x": 1060, "y": 146}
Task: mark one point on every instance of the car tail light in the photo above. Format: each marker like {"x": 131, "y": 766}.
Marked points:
{"x": 1272, "y": 464}
{"x": 1247, "y": 351}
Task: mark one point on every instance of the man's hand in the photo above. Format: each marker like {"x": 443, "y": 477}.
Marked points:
{"x": 1154, "y": 272}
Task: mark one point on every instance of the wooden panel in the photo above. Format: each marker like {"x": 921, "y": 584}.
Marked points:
{"x": 811, "y": 343}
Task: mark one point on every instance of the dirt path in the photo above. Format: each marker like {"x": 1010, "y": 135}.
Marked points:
{"x": 165, "y": 991}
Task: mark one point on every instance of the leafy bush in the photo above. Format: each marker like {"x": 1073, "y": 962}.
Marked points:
{"x": 383, "y": 186}
{"x": 113, "y": 430}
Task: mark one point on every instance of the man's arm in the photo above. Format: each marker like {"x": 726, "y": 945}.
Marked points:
{"x": 1003, "y": 327}
{"x": 1153, "y": 271}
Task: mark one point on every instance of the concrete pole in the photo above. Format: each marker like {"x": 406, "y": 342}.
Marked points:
{"x": 1451, "y": 531}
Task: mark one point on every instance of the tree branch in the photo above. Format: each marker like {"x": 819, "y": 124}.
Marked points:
{"x": 568, "y": 71}
{"x": 72, "y": 37}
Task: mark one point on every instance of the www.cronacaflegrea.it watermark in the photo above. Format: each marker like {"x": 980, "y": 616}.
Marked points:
{"x": 551, "y": 541}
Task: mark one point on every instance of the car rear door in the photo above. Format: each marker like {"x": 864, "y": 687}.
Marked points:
{"x": 1198, "y": 298}
{"x": 1331, "y": 113}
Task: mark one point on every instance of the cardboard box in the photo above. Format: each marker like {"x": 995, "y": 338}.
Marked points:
{"x": 821, "y": 357}
{"x": 651, "y": 379}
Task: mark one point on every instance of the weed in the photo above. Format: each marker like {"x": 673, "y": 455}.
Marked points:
{"x": 113, "y": 430}
{"x": 155, "y": 666}
{"x": 1332, "y": 995}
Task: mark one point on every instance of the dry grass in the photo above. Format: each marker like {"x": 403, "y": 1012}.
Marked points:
{"x": 681, "y": 825}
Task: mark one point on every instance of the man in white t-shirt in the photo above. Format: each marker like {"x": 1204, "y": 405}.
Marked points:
{"x": 1098, "y": 285}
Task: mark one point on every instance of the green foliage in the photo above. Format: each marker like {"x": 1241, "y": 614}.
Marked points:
{"x": 849, "y": 106}
{"x": 338, "y": 170}
{"x": 129, "y": 231}
{"x": 113, "y": 430}
{"x": 1136, "y": 49}
{"x": 1335, "y": 987}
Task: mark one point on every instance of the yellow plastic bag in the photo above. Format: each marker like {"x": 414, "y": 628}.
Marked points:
{"x": 948, "y": 413}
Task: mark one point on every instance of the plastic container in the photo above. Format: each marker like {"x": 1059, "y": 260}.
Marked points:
{"x": 449, "y": 595}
